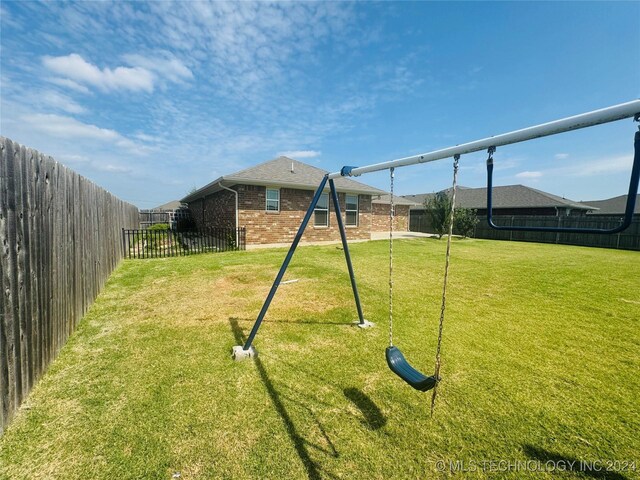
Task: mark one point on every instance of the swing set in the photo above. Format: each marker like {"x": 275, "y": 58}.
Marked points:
{"x": 394, "y": 356}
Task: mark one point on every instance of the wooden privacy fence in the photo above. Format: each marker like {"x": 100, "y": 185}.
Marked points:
{"x": 628, "y": 239}
{"x": 153, "y": 243}
{"x": 60, "y": 238}
{"x": 153, "y": 217}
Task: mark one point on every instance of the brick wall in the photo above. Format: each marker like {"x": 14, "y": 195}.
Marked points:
{"x": 281, "y": 227}
{"x": 380, "y": 218}
{"x": 216, "y": 210}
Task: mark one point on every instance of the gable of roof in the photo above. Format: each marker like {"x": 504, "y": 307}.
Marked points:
{"x": 283, "y": 172}
{"x": 613, "y": 206}
{"x": 510, "y": 196}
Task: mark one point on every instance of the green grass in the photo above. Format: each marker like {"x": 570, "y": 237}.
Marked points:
{"x": 540, "y": 363}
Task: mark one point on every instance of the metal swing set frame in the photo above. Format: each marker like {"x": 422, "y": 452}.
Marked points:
{"x": 589, "y": 119}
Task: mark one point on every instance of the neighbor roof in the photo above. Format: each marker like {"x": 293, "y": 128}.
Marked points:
{"x": 613, "y": 206}
{"x": 282, "y": 172}
{"x": 510, "y": 196}
{"x": 386, "y": 199}
{"x": 173, "y": 205}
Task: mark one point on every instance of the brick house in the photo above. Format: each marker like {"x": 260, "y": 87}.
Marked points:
{"x": 380, "y": 217}
{"x": 270, "y": 200}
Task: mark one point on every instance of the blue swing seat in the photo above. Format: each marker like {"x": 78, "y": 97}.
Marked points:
{"x": 399, "y": 365}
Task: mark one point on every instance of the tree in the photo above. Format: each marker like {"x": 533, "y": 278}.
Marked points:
{"x": 438, "y": 210}
{"x": 465, "y": 220}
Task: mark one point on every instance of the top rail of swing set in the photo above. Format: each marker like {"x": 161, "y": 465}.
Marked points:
{"x": 576, "y": 122}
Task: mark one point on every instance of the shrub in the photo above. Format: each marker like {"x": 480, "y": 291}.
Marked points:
{"x": 464, "y": 221}
{"x": 159, "y": 226}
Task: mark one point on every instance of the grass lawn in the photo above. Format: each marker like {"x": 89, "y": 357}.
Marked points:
{"x": 541, "y": 356}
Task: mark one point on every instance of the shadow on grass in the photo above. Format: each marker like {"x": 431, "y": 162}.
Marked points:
{"x": 572, "y": 464}
{"x": 299, "y": 443}
{"x": 373, "y": 417}
{"x": 304, "y": 321}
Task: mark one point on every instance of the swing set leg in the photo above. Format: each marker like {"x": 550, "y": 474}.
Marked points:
{"x": 361, "y": 322}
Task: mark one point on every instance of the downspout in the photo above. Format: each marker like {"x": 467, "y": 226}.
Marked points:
{"x": 237, "y": 225}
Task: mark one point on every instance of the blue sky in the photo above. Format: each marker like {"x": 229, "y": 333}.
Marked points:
{"x": 152, "y": 99}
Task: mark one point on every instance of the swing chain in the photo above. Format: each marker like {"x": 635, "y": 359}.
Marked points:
{"x": 391, "y": 212}
{"x": 456, "y": 158}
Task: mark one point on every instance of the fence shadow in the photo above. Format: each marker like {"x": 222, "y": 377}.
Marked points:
{"x": 572, "y": 464}
{"x": 299, "y": 442}
{"x": 373, "y": 417}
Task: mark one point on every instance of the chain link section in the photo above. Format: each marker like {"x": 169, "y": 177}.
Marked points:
{"x": 391, "y": 215}
{"x": 456, "y": 158}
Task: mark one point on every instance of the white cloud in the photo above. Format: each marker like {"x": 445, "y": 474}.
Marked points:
{"x": 602, "y": 166}
{"x": 65, "y": 82}
{"x": 146, "y": 138}
{"x": 68, "y": 127}
{"x": 77, "y": 69}
{"x": 61, "y": 102}
{"x": 297, "y": 154}
{"x": 529, "y": 175}
{"x": 62, "y": 127}
{"x": 111, "y": 168}
{"x": 561, "y": 156}
{"x": 73, "y": 159}
{"x": 170, "y": 68}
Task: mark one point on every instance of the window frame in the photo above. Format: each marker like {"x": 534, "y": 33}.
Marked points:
{"x": 267, "y": 200}
{"x": 316, "y": 209}
{"x": 347, "y": 210}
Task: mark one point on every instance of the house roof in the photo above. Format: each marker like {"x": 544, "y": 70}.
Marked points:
{"x": 386, "y": 199}
{"x": 613, "y": 206}
{"x": 282, "y": 172}
{"x": 510, "y": 196}
{"x": 173, "y": 205}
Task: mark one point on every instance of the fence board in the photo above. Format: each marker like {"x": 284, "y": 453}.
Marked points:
{"x": 60, "y": 238}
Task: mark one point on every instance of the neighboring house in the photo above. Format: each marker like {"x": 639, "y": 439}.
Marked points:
{"x": 172, "y": 213}
{"x": 510, "y": 200}
{"x": 270, "y": 201}
{"x": 612, "y": 206}
{"x": 381, "y": 205}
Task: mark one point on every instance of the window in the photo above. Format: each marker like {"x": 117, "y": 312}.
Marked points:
{"x": 321, "y": 212}
{"x": 351, "y": 210}
{"x": 273, "y": 200}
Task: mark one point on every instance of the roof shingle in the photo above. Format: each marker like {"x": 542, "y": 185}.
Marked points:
{"x": 283, "y": 172}
{"x": 613, "y": 206}
{"x": 510, "y": 196}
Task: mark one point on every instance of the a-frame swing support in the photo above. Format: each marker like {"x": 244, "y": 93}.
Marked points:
{"x": 241, "y": 352}
{"x": 576, "y": 122}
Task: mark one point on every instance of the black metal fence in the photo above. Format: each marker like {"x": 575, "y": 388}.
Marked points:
{"x": 155, "y": 243}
